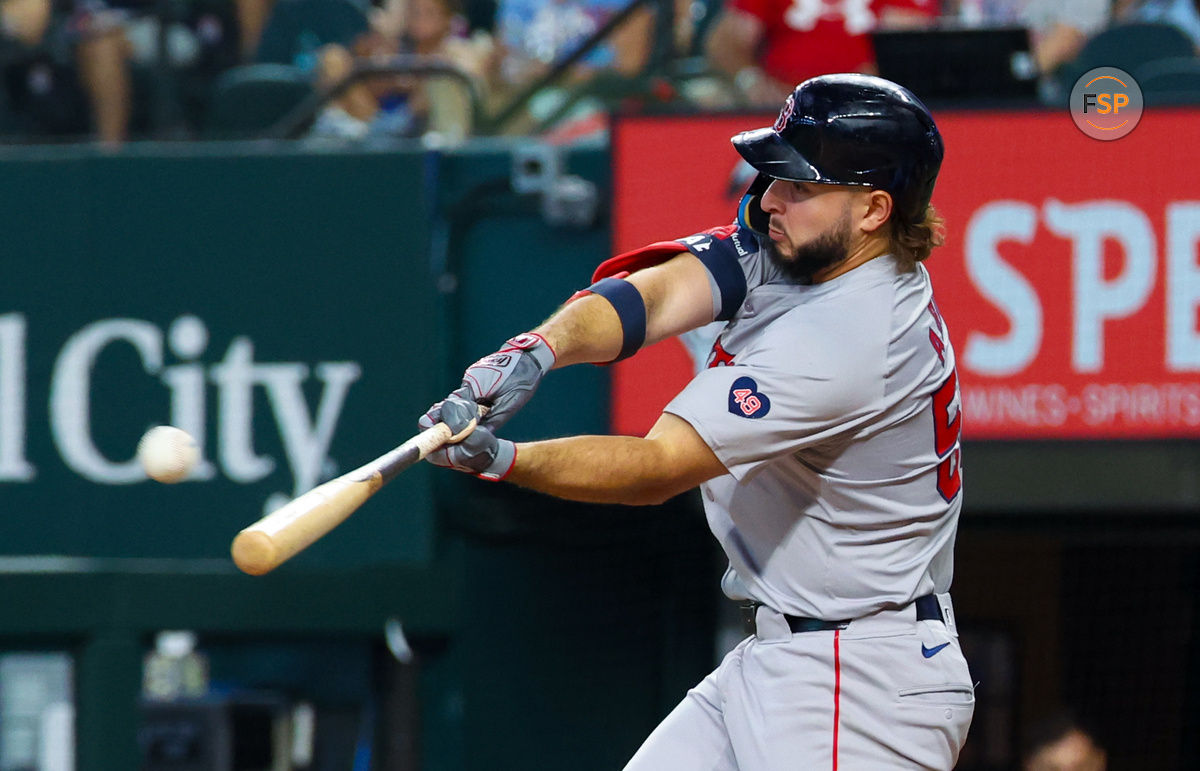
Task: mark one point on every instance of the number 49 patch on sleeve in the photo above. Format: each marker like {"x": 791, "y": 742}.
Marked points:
{"x": 746, "y": 400}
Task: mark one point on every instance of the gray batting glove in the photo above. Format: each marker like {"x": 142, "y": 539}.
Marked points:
{"x": 481, "y": 453}
{"x": 506, "y": 380}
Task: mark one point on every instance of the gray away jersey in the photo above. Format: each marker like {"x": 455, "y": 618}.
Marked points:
{"x": 835, "y": 409}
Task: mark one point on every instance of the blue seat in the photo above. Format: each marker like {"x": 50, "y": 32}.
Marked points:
{"x": 297, "y": 28}
{"x": 1127, "y": 47}
{"x": 251, "y": 98}
{"x": 1171, "y": 81}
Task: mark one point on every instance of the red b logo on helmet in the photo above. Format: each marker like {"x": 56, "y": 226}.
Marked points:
{"x": 785, "y": 114}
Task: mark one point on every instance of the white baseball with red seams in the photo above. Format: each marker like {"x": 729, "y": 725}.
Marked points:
{"x": 167, "y": 454}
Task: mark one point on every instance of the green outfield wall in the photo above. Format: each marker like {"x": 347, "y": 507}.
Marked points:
{"x": 296, "y": 311}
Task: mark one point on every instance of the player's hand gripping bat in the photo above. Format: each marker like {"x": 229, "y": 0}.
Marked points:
{"x": 285, "y": 532}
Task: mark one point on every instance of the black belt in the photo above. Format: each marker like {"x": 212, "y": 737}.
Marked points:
{"x": 928, "y": 609}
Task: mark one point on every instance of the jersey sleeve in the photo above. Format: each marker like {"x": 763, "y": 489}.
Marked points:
{"x": 786, "y": 396}
{"x": 730, "y": 254}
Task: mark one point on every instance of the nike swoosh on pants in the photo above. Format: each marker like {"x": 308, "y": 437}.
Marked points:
{"x": 931, "y": 652}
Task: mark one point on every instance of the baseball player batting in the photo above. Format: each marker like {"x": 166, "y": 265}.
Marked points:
{"x": 824, "y": 436}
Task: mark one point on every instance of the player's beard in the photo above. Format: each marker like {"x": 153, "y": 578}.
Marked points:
{"x": 817, "y": 254}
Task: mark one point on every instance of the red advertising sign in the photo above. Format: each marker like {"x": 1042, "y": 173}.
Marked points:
{"x": 1069, "y": 278}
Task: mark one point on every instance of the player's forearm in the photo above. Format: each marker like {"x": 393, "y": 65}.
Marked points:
{"x": 585, "y": 330}
{"x": 596, "y": 469}
{"x": 677, "y": 298}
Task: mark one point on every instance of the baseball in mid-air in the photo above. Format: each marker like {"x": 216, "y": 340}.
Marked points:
{"x": 168, "y": 454}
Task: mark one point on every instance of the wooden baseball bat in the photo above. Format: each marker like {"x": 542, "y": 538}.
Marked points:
{"x": 285, "y": 532}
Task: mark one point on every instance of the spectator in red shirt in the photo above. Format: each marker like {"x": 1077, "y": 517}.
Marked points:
{"x": 768, "y": 46}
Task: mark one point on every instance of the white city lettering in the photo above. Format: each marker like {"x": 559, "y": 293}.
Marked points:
{"x": 305, "y": 435}
{"x": 71, "y": 394}
{"x": 235, "y": 378}
{"x": 188, "y": 338}
{"x": 305, "y": 440}
{"x": 13, "y": 465}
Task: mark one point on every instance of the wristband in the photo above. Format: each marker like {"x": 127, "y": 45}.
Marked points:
{"x": 627, "y": 301}
{"x": 502, "y": 463}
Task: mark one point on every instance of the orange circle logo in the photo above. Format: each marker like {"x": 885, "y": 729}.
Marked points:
{"x": 1106, "y": 103}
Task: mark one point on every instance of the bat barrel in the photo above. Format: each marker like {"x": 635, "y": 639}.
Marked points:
{"x": 254, "y": 552}
{"x": 277, "y": 537}
{"x": 280, "y": 535}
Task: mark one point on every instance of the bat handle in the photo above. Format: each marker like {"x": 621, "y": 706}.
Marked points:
{"x": 471, "y": 426}
{"x": 461, "y": 435}
{"x": 416, "y": 449}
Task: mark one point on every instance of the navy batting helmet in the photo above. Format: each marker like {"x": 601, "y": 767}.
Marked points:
{"x": 847, "y": 130}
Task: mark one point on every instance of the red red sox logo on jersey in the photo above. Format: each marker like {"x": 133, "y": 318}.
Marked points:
{"x": 746, "y": 400}
{"x": 719, "y": 357}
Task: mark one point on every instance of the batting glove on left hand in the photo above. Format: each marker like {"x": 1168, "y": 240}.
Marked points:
{"x": 506, "y": 379}
{"x": 481, "y": 453}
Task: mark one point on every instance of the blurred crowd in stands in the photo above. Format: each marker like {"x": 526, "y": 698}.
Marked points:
{"x": 110, "y": 71}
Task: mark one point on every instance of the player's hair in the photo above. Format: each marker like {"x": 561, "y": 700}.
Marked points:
{"x": 914, "y": 242}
